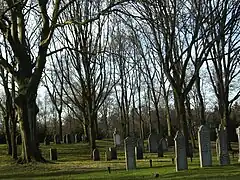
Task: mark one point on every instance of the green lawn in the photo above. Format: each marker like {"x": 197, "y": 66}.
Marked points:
{"x": 74, "y": 163}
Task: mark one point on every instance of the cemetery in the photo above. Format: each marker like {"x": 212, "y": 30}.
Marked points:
{"x": 131, "y": 159}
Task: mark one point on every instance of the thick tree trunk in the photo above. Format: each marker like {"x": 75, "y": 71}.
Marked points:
{"x": 92, "y": 133}
{"x": 7, "y": 134}
{"x": 60, "y": 125}
{"x": 27, "y": 111}
{"x": 201, "y": 103}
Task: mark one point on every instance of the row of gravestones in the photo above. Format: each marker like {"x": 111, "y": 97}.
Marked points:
{"x": 204, "y": 143}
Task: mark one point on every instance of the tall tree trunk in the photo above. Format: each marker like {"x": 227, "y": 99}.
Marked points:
{"x": 60, "y": 124}
{"x": 27, "y": 111}
{"x": 201, "y": 102}
{"x": 7, "y": 133}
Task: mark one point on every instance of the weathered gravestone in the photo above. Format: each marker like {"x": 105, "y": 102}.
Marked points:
{"x": 223, "y": 146}
{"x": 129, "y": 147}
{"x": 180, "y": 152}
{"x": 140, "y": 143}
{"x": 116, "y": 138}
{"x": 204, "y": 145}
{"x": 163, "y": 141}
{"x": 72, "y": 137}
{"x": 57, "y": 139}
{"x": 77, "y": 138}
{"x": 108, "y": 156}
{"x": 139, "y": 152}
{"x": 18, "y": 139}
{"x": 47, "y": 140}
{"x": 153, "y": 141}
{"x": 68, "y": 139}
{"x": 113, "y": 153}
{"x": 96, "y": 155}
{"x": 53, "y": 154}
{"x": 238, "y": 134}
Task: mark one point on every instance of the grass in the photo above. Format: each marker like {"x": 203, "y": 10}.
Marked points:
{"x": 74, "y": 163}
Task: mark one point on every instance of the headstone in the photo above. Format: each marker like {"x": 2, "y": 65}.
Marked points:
{"x": 129, "y": 147}
{"x": 204, "y": 145}
{"x": 53, "y": 154}
{"x": 113, "y": 153}
{"x": 57, "y": 139}
{"x": 139, "y": 152}
{"x": 160, "y": 149}
{"x": 223, "y": 146}
{"x": 46, "y": 141}
{"x": 96, "y": 155}
{"x": 180, "y": 152}
{"x": 77, "y": 138}
{"x": 238, "y": 135}
{"x": 116, "y": 138}
{"x": 68, "y": 139}
{"x": 108, "y": 156}
{"x": 153, "y": 141}
{"x": 163, "y": 141}
{"x": 19, "y": 140}
{"x": 190, "y": 151}
{"x": 140, "y": 143}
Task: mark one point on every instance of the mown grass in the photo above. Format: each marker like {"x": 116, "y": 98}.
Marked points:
{"x": 74, "y": 163}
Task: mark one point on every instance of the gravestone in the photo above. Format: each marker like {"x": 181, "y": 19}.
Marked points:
{"x": 53, "y": 154}
{"x": 96, "y": 155}
{"x": 139, "y": 152}
{"x": 238, "y": 135}
{"x": 160, "y": 149}
{"x": 65, "y": 139}
{"x": 116, "y": 138}
{"x": 68, "y": 139}
{"x": 180, "y": 152}
{"x": 153, "y": 141}
{"x": 18, "y": 139}
{"x": 108, "y": 155}
{"x": 57, "y": 139}
{"x": 223, "y": 146}
{"x": 140, "y": 143}
{"x": 47, "y": 140}
{"x": 163, "y": 141}
{"x": 204, "y": 145}
{"x": 129, "y": 147}
{"x": 113, "y": 152}
{"x": 77, "y": 138}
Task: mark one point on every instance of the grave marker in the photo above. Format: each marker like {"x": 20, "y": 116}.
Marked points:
{"x": 129, "y": 146}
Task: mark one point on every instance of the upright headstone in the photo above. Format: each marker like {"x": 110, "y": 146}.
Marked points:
{"x": 238, "y": 135}
{"x": 223, "y": 146}
{"x": 140, "y": 143}
{"x": 139, "y": 152}
{"x": 113, "y": 153}
{"x": 96, "y": 155}
{"x": 57, "y": 139}
{"x": 153, "y": 141}
{"x": 68, "y": 139}
{"x": 116, "y": 138}
{"x": 53, "y": 154}
{"x": 77, "y": 138}
{"x": 47, "y": 140}
{"x": 129, "y": 147}
{"x": 72, "y": 137}
{"x": 180, "y": 152}
{"x": 204, "y": 145}
{"x": 170, "y": 141}
{"x": 163, "y": 141}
